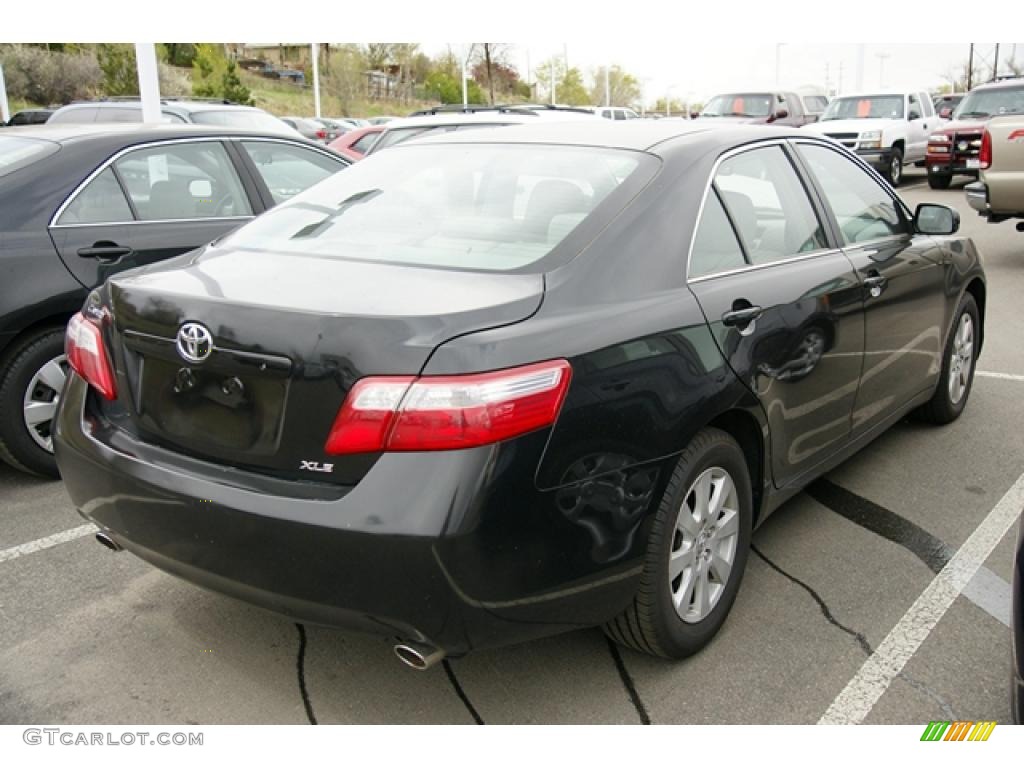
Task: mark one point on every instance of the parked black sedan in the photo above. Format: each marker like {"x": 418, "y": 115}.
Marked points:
{"x": 81, "y": 203}
{"x": 501, "y": 384}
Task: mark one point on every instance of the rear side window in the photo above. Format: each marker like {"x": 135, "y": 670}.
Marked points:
{"x": 768, "y": 205}
{"x": 365, "y": 141}
{"x": 715, "y": 247}
{"x": 191, "y": 180}
{"x": 102, "y": 201}
{"x": 287, "y": 169}
{"x": 469, "y": 206}
{"x": 863, "y": 209}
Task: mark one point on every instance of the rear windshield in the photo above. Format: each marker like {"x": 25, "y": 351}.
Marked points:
{"x": 17, "y": 152}
{"x": 853, "y": 107}
{"x": 240, "y": 118}
{"x": 992, "y": 101}
{"x": 461, "y": 206}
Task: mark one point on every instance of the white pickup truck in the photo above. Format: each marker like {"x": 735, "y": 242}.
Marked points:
{"x": 887, "y": 129}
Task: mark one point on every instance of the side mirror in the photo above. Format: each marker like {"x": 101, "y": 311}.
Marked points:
{"x": 200, "y": 188}
{"x": 694, "y": 115}
{"x": 946, "y": 112}
{"x": 935, "y": 219}
{"x": 913, "y": 114}
{"x": 781, "y": 113}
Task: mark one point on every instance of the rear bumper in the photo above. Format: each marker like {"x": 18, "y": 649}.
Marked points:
{"x": 454, "y": 549}
{"x": 977, "y": 196}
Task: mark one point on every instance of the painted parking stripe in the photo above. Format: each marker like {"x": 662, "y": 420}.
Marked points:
{"x": 45, "y": 543}
{"x": 997, "y": 375}
{"x": 860, "y": 695}
{"x": 991, "y": 593}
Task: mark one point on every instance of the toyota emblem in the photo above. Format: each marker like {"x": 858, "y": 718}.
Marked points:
{"x": 194, "y": 342}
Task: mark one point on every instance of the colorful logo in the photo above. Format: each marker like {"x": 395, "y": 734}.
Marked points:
{"x": 958, "y": 730}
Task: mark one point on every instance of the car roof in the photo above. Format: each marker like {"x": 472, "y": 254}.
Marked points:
{"x": 1015, "y": 82}
{"x": 66, "y": 133}
{"x": 622, "y": 134}
{"x": 175, "y": 104}
{"x": 464, "y": 118}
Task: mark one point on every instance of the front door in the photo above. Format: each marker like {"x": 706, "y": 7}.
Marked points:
{"x": 784, "y": 307}
{"x": 902, "y": 275}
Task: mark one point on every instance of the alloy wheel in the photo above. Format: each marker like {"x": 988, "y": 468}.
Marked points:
{"x": 961, "y": 358}
{"x": 704, "y": 545}
{"x": 41, "y": 398}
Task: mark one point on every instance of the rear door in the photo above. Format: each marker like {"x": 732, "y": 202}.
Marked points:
{"x": 783, "y": 304}
{"x": 148, "y": 204}
{"x": 903, "y": 278}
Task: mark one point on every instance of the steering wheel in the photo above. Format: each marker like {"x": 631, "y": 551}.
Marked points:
{"x": 224, "y": 202}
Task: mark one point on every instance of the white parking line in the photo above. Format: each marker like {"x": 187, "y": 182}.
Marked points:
{"x": 860, "y": 695}
{"x": 997, "y": 375}
{"x": 47, "y": 542}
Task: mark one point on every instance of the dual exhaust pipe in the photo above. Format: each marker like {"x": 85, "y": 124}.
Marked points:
{"x": 419, "y": 656}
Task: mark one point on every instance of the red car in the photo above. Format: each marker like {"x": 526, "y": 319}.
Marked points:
{"x": 953, "y": 147}
{"x": 357, "y": 143}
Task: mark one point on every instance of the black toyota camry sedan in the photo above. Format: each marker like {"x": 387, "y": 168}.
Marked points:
{"x": 489, "y": 387}
{"x": 79, "y": 203}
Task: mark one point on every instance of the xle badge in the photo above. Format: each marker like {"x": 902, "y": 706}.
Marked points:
{"x": 315, "y": 466}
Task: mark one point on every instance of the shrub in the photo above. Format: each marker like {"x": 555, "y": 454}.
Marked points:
{"x": 42, "y": 77}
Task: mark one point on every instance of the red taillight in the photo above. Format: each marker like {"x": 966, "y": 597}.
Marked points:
{"x": 321, "y": 134}
{"x": 985, "y": 153}
{"x": 441, "y": 413}
{"x": 87, "y": 355}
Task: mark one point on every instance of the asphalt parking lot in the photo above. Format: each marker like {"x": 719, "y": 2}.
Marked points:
{"x": 90, "y": 637}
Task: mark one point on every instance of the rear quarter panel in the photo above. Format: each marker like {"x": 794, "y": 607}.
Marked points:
{"x": 1005, "y": 179}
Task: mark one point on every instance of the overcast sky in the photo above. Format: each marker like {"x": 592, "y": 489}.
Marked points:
{"x": 696, "y": 71}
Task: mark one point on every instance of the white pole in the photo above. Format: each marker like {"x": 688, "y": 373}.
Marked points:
{"x": 778, "y": 65}
{"x": 465, "y": 87}
{"x": 607, "y": 87}
{"x": 554, "y": 66}
{"x": 5, "y": 110}
{"x": 316, "y": 79}
{"x": 149, "y": 82}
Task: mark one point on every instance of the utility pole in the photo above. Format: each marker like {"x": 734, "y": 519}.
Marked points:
{"x": 839, "y": 85}
{"x": 970, "y": 67}
{"x": 995, "y": 64}
{"x": 881, "y": 68}
{"x": 554, "y": 66}
{"x": 860, "y": 68}
{"x": 316, "y": 79}
{"x": 607, "y": 86}
{"x": 465, "y": 87}
{"x": 529, "y": 78}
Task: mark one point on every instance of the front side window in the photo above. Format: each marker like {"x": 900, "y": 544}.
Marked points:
{"x": 768, "y": 205}
{"x": 190, "y": 180}
{"x": 863, "y": 209}
{"x": 102, "y": 201}
{"x": 287, "y": 169}
{"x": 466, "y": 206}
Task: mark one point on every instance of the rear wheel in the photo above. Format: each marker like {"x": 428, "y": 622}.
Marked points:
{"x": 696, "y": 553}
{"x": 939, "y": 180}
{"x": 30, "y": 388}
{"x": 957, "y": 374}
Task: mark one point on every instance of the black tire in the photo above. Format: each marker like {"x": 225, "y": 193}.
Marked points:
{"x": 894, "y": 173}
{"x": 17, "y": 446}
{"x": 939, "y": 180}
{"x": 651, "y": 623}
{"x": 941, "y": 409}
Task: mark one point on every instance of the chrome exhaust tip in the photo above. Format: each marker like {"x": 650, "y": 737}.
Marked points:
{"x": 108, "y": 542}
{"x": 417, "y": 655}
